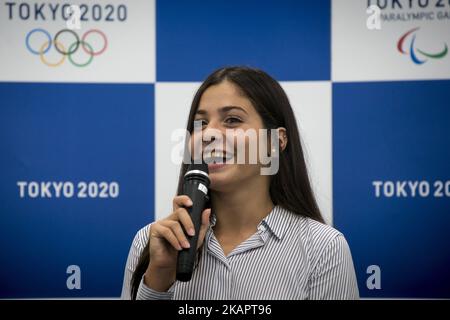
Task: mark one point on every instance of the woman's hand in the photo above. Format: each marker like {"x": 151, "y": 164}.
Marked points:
{"x": 166, "y": 239}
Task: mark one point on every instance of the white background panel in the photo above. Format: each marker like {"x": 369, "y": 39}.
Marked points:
{"x": 129, "y": 56}
{"x": 360, "y": 54}
{"x": 311, "y": 102}
{"x": 172, "y": 105}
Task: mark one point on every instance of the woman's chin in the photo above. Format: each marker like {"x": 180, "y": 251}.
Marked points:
{"x": 220, "y": 176}
{"x": 217, "y": 167}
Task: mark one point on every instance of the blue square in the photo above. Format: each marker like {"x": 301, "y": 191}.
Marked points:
{"x": 73, "y": 133}
{"x": 289, "y": 39}
{"x": 390, "y": 141}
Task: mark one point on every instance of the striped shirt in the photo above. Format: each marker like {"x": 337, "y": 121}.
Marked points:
{"x": 289, "y": 257}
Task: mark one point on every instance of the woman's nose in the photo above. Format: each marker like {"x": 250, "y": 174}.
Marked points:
{"x": 213, "y": 133}
{"x": 213, "y": 129}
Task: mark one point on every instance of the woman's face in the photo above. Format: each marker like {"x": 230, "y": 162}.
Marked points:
{"x": 223, "y": 110}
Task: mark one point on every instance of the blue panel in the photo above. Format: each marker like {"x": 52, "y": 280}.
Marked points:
{"x": 73, "y": 132}
{"x": 394, "y": 131}
{"x": 290, "y": 39}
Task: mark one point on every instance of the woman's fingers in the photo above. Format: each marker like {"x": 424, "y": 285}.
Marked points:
{"x": 180, "y": 219}
{"x": 205, "y": 224}
{"x": 181, "y": 201}
{"x": 185, "y": 219}
{"x": 161, "y": 231}
{"x": 178, "y": 232}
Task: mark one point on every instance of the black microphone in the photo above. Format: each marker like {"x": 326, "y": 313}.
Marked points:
{"x": 195, "y": 186}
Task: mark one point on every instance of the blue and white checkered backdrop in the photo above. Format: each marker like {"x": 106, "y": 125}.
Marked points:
{"x": 87, "y": 116}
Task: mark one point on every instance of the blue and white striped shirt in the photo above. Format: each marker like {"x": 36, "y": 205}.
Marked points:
{"x": 289, "y": 257}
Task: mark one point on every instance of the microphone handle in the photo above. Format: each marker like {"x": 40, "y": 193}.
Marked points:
{"x": 186, "y": 257}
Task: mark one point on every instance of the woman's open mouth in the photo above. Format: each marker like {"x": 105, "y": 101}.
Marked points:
{"x": 217, "y": 159}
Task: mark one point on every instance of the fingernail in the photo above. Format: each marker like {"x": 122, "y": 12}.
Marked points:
{"x": 189, "y": 203}
{"x": 186, "y": 244}
{"x": 191, "y": 232}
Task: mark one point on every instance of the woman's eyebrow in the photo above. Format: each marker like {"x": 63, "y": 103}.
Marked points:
{"x": 199, "y": 111}
{"x": 222, "y": 110}
{"x": 229, "y": 108}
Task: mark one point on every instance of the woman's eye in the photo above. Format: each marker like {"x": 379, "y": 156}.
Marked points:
{"x": 232, "y": 120}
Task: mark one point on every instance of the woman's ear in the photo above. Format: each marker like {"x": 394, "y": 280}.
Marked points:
{"x": 282, "y": 138}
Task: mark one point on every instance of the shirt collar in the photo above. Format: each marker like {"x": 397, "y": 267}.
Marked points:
{"x": 277, "y": 221}
{"x": 212, "y": 219}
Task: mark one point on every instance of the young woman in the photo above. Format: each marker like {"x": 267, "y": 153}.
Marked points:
{"x": 263, "y": 236}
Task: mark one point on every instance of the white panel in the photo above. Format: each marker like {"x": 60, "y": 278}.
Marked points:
{"x": 128, "y": 57}
{"x": 172, "y": 105}
{"x": 311, "y": 102}
{"x": 361, "y": 54}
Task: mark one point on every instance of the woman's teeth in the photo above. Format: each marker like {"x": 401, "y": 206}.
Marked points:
{"x": 217, "y": 158}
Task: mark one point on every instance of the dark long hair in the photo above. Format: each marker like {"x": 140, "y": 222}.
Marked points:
{"x": 290, "y": 188}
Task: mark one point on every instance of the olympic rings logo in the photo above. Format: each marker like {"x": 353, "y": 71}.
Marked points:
{"x": 71, "y": 49}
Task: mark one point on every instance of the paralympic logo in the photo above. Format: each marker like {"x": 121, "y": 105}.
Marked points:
{"x": 71, "y": 48}
{"x": 413, "y": 50}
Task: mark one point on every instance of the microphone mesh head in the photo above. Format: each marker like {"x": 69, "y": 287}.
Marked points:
{"x": 198, "y": 166}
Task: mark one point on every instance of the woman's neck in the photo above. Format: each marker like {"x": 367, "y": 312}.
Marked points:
{"x": 241, "y": 210}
